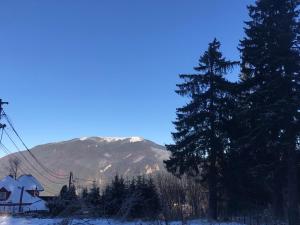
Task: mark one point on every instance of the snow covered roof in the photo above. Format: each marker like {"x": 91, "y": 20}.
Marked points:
{"x": 29, "y": 182}
{"x": 15, "y": 189}
{"x": 8, "y": 183}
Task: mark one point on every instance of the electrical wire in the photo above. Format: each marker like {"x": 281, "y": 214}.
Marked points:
{"x": 29, "y": 162}
{"x": 8, "y": 152}
{"x": 87, "y": 180}
{"x": 49, "y": 171}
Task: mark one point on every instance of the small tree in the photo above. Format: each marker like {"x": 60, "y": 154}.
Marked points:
{"x": 13, "y": 167}
{"x": 93, "y": 196}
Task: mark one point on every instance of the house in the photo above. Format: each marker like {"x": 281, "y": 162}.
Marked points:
{"x": 21, "y": 195}
{"x": 30, "y": 184}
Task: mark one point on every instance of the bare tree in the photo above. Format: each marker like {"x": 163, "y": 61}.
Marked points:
{"x": 180, "y": 198}
{"x": 13, "y": 167}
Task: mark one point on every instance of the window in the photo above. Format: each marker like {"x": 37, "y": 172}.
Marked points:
{"x": 32, "y": 193}
{"x": 2, "y": 195}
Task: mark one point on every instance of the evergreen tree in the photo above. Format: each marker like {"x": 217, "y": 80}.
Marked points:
{"x": 135, "y": 194}
{"x": 68, "y": 194}
{"x": 142, "y": 199}
{"x": 66, "y": 203}
{"x": 201, "y": 139}
{"x": 72, "y": 196}
{"x": 84, "y": 193}
{"x": 151, "y": 200}
{"x": 114, "y": 196}
{"x": 270, "y": 99}
{"x": 64, "y": 192}
{"x": 93, "y": 196}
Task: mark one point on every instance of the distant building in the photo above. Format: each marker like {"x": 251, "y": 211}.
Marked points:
{"x": 21, "y": 195}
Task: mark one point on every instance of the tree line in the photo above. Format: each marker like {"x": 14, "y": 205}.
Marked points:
{"x": 162, "y": 197}
{"x": 241, "y": 139}
{"x": 129, "y": 199}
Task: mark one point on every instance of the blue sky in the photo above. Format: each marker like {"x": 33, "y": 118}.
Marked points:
{"x": 73, "y": 68}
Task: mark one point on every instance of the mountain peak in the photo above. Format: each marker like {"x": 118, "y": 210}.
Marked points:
{"x": 113, "y": 139}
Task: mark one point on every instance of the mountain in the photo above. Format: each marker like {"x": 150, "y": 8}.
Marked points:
{"x": 90, "y": 159}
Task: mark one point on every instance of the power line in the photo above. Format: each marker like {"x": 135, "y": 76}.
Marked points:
{"x": 49, "y": 171}
{"x": 28, "y": 161}
{"x": 87, "y": 180}
{"x": 50, "y": 190}
{"x": 23, "y": 155}
{"x": 8, "y": 152}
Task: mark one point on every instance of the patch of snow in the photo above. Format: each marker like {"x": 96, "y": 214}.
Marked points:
{"x": 150, "y": 169}
{"x": 106, "y": 168}
{"x": 127, "y": 171}
{"x": 136, "y": 139}
{"x": 9, "y": 220}
{"x": 83, "y": 138}
{"x": 138, "y": 159}
{"x": 113, "y": 139}
{"x": 127, "y": 156}
{"x": 30, "y": 183}
{"x": 107, "y": 155}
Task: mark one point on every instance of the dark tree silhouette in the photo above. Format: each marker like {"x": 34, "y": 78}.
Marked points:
{"x": 271, "y": 98}
{"x": 201, "y": 139}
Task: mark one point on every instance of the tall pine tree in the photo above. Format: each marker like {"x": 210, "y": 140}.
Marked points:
{"x": 200, "y": 139}
{"x": 271, "y": 97}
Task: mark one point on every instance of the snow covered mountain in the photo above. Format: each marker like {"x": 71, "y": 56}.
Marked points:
{"x": 92, "y": 158}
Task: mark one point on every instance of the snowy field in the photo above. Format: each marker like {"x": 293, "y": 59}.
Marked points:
{"x": 7, "y": 220}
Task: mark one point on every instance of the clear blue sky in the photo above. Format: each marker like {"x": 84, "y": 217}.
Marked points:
{"x": 73, "y": 68}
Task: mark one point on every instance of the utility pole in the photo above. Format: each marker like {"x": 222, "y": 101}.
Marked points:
{"x": 21, "y": 200}
{"x": 70, "y": 180}
{"x": 1, "y": 109}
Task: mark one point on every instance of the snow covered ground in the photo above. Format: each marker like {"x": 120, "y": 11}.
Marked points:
{"x": 7, "y": 220}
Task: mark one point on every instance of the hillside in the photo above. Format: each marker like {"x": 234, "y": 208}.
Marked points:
{"x": 91, "y": 158}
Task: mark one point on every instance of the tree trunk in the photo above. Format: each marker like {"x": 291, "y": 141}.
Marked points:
{"x": 212, "y": 174}
{"x": 278, "y": 209}
{"x": 212, "y": 186}
{"x": 293, "y": 210}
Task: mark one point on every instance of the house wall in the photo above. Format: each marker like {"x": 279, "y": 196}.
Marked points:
{"x": 26, "y": 207}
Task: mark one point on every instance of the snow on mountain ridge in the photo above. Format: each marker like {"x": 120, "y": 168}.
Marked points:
{"x": 113, "y": 139}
